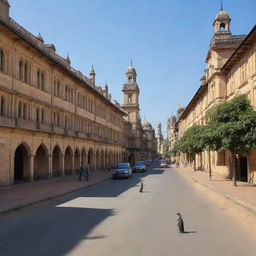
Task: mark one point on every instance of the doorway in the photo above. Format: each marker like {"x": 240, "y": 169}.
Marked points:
{"x": 243, "y": 169}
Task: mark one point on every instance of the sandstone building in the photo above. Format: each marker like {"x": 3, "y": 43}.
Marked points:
{"x": 230, "y": 70}
{"x": 53, "y": 119}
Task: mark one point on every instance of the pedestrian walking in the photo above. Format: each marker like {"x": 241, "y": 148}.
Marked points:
{"x": 81, "y": 172}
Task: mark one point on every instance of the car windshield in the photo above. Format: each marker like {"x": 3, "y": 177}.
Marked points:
{"x": 139, "y": 163}
{"x": 122, "y": 166}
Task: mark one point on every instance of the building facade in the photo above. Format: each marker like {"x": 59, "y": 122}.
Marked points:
{"x": 230, "y": 70}
{"x": 53, "y": 119}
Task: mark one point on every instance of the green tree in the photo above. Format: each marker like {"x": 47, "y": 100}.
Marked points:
{"x": 190, "y": 143}
{"x": 231, "y": 126}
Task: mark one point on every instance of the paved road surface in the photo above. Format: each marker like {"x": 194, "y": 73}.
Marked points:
{"x": 113, "y": 218}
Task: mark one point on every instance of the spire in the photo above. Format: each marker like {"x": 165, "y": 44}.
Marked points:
{"x": 92, "y": 71}
{"x": 40, "y": 38}
{"x": 68, "y": 59}
{"x": 131, "y": 62}
{"x": 221, "y": 6}
{"x": 92, "y": 75}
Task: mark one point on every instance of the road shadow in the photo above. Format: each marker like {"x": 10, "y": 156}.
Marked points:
{"x": 58, "y": 227}
{"x": 189, "y": 232}
{"x": 50, "y": 231}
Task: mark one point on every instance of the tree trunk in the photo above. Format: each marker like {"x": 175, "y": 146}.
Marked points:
{"x": 210, "y": 164}
{"x": 234, "y": 169}
{"x": 194, "y": 158}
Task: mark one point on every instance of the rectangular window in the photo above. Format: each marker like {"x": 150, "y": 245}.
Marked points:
{"x": 2, "y": 60}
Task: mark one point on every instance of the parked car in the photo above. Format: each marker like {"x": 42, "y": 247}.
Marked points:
{"x": 139, "y": 166}
{"x": 163, "y": 164}
{"x": 148, "y": 162}
{"x": 122, "y": 170}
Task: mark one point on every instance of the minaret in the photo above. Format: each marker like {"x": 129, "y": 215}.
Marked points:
{"x": 92, "y": 76}
{"x": 131, "y": 96}
{"x": 4, "y": 10}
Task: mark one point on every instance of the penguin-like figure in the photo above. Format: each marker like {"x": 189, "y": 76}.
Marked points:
{"x": 141, "y": 187}
{"x": 180, "y": 223}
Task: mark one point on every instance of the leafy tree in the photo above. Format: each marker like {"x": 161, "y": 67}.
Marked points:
{"x": 231, "y": 126}
{"x": 191, "y": 142}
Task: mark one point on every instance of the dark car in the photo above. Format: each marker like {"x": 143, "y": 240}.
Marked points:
{"x": 139, "y": 166}
{"x": 122, "y": 170}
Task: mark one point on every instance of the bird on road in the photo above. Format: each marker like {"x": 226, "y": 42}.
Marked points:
{"x": 180, "y": 223}
{"x": 141, "y": 187}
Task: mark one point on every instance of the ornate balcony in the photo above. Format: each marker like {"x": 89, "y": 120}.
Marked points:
{"x": 25, "y": 124}
{"x": 7, "y": 121}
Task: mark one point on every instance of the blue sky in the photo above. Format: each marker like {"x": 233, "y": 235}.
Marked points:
{"x": 166, "y": 39}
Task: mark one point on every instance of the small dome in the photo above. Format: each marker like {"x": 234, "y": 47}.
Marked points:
{"x": 146, "y": 125}
{"x": 131, "y": 69}
{"x": 222, "y": 15}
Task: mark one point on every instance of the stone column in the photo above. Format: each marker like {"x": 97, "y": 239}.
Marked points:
{"x": 49, "y": 166}
{"x": 31, "y": 167}
{"x": 73, "y": 164}
{"x": 80, "y": 160}
{"x": 94, "y": 162}
{"x": 62, "y": 164}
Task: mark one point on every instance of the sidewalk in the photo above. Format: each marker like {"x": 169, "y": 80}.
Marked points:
{"x": 22, "y": 195}
{"x": 244, "y": 194}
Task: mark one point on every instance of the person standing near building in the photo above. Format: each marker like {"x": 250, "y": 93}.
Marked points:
{"x": 81, "y": 172}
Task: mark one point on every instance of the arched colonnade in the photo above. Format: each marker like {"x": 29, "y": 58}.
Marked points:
{"x": 47, "y": 163}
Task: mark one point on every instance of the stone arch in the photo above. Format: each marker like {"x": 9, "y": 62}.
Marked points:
{"x": 57, "y": 165}
{"x": 41, "y": 162}
{"x": 68, "y": 161}
{"x": 77, "y": 160}
{"x": 90, "y": 159}
{"x": 21, "y": 163}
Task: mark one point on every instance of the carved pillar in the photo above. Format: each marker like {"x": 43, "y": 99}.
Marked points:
{"x": 73, "y": 163}
{"x": 62, "y": 165}
{"x": 31, "y": 167}
{"x": 49, "y": 166}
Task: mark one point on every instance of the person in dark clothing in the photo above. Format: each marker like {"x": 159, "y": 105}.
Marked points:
{"x": 81, "y": 172}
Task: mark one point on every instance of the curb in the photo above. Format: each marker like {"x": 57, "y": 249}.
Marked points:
{"x": 37, "y": 202}
{"x": 233, "y": 199}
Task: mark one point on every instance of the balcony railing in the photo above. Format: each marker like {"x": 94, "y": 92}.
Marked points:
{"x": 7, "y": 121}
{"x": 25, "y": 124}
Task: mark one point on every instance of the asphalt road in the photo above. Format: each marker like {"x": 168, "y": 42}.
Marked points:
{"x": 113, "y": 218}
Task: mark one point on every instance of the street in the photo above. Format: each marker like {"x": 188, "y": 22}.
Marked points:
{"x": 113, "y": 218}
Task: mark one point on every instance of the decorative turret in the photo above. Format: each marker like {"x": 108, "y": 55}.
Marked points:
{"x": 92, "y": 76}
{"x": 221, "y": 22}
{"x": 40, "y": 38}
{"x": 68, "y": 59}
{"x": 4, "y": 10}
{"x": 131, "y": 74}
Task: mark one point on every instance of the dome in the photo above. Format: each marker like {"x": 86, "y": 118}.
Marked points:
{"x": 146, "y": 125}
{"x": 222, "y": 15}
{"x": 131, "y": 69}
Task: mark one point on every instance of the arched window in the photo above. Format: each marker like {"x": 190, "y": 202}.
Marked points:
{"x": 20, "y": 111}
{"x": 21, "y": 67}
{"x": 2, "y": 106}
{"x": 2, "y": 60}
{"x": 37, "y": 115}
{"x": 24, "y": 111}
{"x": 42, "y": 116}
{"x": 222, "y": 27}
{"x": 130, "y": 99}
